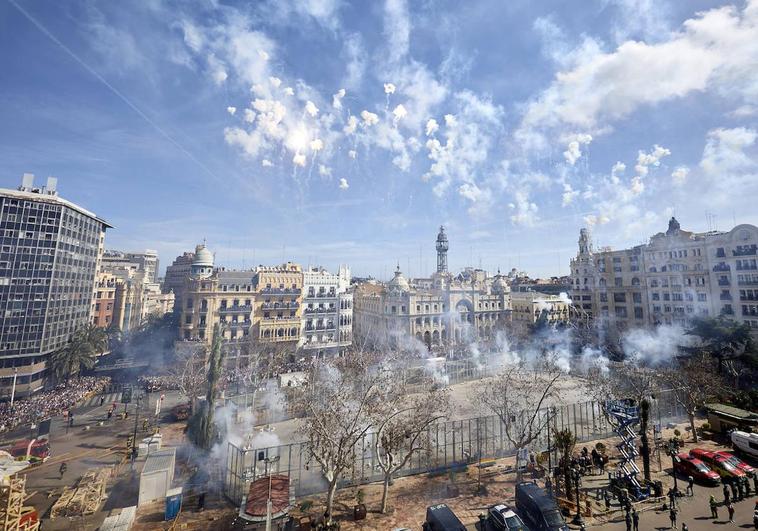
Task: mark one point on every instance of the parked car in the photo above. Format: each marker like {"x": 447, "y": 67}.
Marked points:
{"x": 500, "y": 517}
{"x": 686, "y": 465}
{"x": 442, "y": 518}
{"x": 746, "y": 443}
{"x": 720, "y": 464}
{"x": 539, "y": 511}
{"x": 737, "y": 462}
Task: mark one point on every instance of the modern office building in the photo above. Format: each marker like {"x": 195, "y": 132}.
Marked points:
{"x": 50, "y": 249}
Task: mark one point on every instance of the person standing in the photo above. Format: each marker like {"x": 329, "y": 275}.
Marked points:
{"x": 672, "y": 517}
{"x": 628, "y": 520}
{"x": 726, "y": 494}
{"x": 635, "y": 520}
{"x": 714, "y": 507}
{"x": 62, "y": 469}
{"x": 690, "y": 486}
{"x": 730, "y": 510}
{"x": 755, "y": 482}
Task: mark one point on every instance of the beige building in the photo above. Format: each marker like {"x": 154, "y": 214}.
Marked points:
{"x": 527, "y": 307}
{"x": 277, "y": 313}
{"x": 676, "y": 276}
{"x": 444, "y": 309}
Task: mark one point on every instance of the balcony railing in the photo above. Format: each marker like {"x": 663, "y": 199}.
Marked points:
{"x": 238, "y": 308}
{"x": 727, "y": 311}
{"x": 725, "y": 297}
{"x": 722, "y": 267}
{"x": 281, "y": 291}
{"x": 745, "y": 251}
{"x": 319, "y": 310}
{"x": 750, "y": 313}
{"x": 279, "y": 319}
{"x": 280, "y": 306}
{"x": 749, "y": 298}
{"x": 723, "y": 282}
{"x": 751, "y": 282}
{"x": 748, "y": 267}
{"x": 328, "y": 295}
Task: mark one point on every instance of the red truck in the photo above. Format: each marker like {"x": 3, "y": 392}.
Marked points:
{"x": 34, "y": 449}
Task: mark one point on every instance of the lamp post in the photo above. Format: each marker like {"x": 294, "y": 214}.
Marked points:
{"x": 136, "y": 417}
{"x": 578, "y": 518}
{"x": 268, "y": 461}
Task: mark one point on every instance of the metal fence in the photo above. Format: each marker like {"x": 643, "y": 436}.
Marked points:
{"x": 449, "y": 445}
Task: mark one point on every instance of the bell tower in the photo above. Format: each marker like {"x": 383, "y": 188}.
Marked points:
{"x": 442, "y": 247}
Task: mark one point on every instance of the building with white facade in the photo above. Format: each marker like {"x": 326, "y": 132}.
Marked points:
{"x": 327, "y": 312}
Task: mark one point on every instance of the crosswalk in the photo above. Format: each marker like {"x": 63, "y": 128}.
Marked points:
{"x": 95, "y": 400}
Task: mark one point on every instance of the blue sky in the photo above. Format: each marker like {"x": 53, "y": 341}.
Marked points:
{"x": 328, "y": 131}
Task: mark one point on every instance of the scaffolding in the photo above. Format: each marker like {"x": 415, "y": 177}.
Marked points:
{"x": 14, "y": 515}
{"x": 623, "y": 416}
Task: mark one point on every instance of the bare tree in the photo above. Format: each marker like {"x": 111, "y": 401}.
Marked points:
{"x": 338, "y": 400}
{"x": 189, "y": 374}
{"x": 517, "y": 396}
{"x": 401, "y": 424}
{"x": 693, "y": 383}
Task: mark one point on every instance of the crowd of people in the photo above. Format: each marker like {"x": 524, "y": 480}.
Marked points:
{"x": 159, "y": 383}
{"x": 49, "y": 403}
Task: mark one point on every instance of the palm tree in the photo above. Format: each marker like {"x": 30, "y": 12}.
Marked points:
{"x": 79, "y": 353}
{"x": 69, "y": 360}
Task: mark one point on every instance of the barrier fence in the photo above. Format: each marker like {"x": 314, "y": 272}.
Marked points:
{"x": 449, "y": 445}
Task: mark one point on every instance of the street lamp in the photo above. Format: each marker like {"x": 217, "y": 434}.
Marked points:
{"x": 268, "y": 461}
{"x": 673, "y": 450}
{"x": 577, "y": 478}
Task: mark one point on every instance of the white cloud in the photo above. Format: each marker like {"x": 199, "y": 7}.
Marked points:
{"x": 398, "y": 113}
{"x": 431, "y": 127}
{"x": 646, "y": 160}
{"x": 231, "y": 110}
{"x": 397, "y": 29}
{"x": 524, "y": 211}
{"x": 369, "y": 118}
{"x": 249, "y": 115}
{"x": 275, "y": 81}
{"x": 573, "y": 151}
{"x": 351, "y": 126}
{"x": 298, "y": 160}
{"x": 352, "y": 153}
{"x": 724, "y": 151}
{"x": 289, "y": 91}
{"x": 715, "y": 50}
{"x": 343, "y": 184}
{"x": 324, "y": 170}
{"x": 569, "y": 194}
{"x": 337, "y": 99}
{"x": 311, "y": 108}
{"x": 679, "y": 175}
{"x": 618, "y": 169}
{"x": 266, "y": 163}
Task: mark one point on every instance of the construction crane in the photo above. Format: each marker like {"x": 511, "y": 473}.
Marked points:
{"x": 14, "y": 515}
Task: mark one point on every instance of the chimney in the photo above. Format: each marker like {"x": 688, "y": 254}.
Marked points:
{"x": 27, "y": 182}
{"x": 52, "y": 185}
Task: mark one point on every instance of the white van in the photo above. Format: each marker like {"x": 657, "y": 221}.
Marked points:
{"x": 746, "y": 443}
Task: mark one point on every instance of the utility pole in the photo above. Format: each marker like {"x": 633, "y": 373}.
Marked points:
{"x": 136, "y": 418}
{"x": 13, "y": 390}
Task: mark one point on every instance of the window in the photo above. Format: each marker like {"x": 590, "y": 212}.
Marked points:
{"x": 656, "y": 296}
{"x": 702, "y": 297}
{"x": 618, "y": 282}
{"x": 621, "y": 312}
{"x": 619, "y": 297}
{"x": 637, "y": 313}
{"x": 637, "y": 298}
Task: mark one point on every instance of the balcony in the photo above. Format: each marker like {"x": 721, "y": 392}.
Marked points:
{"x": 727, "y": 311}
{"x": 280, "y": 291}
{"x": 747, "y": 267}
{"x": 293, "y": 318}
{"x": 319, "y": 310}
{"x": 723, "y": 282}
{"x": 328, "y": 295}
{"x": 751, "y": 282}
{"x": 280, "y": 306}
{"x": 725, "y": 297}
{"x": 748, "y": 298}
{"x": 751, "y": 250}
{"x": 750, "y": 313}
{"x": 722, "y": 267}
{"x": 232, "y": 309}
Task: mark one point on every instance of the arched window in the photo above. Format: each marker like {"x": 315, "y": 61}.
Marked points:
{"x": 635, "y": 281}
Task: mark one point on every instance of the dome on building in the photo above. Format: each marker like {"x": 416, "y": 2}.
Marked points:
{"x": 399, "y": 282}
{"x": 203, "y": 257}
{"x": 499, "y": 285}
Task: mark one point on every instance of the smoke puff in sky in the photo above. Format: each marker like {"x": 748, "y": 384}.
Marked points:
{"x": 654, "y": 347}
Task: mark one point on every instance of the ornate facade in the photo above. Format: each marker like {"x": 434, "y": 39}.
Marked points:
{"x": 443, "y": 309}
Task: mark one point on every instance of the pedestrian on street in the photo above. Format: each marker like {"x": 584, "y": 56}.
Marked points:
{"x": 110, "y": 414}
{"x": 144, "y": 425}
{"x": 746, "y": 482}
{"x": 755, "y": 482}
{"x": 755, "y": 519}
{"x": 201, "y": 501}
{"x": 730, "y": 509}
{"x": 714, "y": 507}
{"x": 62, "y": 469}
{"x": 102, "y": 400}
{"x": 740, "y": 489}
{"x": 636, "y": 520}
{"x": 71, "y": 420}
{"x": 690, "y": 486}
{"x": 607, "y": 498}
{"x": 726, "y": 494}
{"x": 628, "y": 520}
{"x": 733, "y": 485}
{"x": 672, "y": 517}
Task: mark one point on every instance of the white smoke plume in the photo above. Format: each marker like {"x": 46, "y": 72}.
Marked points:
{"x": 389, "y": 88}
{"x": 311, "y": 108}
{"x": 343, "y": 184}
{"x": 231, "y": 110}
{"x": 657, "y": 346}
{"x": 369, "y": 118}
{"x": 337, "y": 99}
{"x": 431, "y": 127}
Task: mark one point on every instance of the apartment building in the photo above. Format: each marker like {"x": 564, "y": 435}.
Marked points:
{"x": 327, "y": 311}
{"x": 50, "y": 250}
{"x": 529, "y": 306}
{"x": 674, "y": 277}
